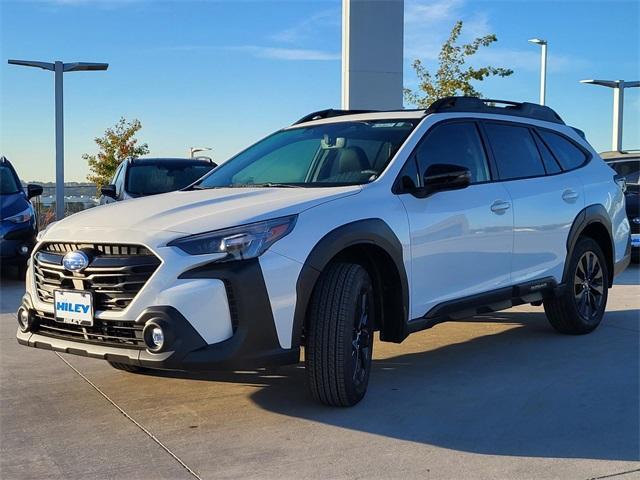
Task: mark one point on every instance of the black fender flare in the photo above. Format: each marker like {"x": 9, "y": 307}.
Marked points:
{"x": 588, "y": 216}
{"x": 372, "y": 231}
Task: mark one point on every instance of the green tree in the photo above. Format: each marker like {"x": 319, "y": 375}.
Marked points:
{"x": 117, "y": 144}
{"x": 453, "y": 77}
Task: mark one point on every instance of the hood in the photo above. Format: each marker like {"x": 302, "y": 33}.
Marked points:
{"x": 198, "y": 211}
{"x": 12, "y": 203}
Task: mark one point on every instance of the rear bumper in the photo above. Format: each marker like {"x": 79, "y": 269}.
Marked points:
{"x": 622, "y": 264}
{"x": 254, "y": 342}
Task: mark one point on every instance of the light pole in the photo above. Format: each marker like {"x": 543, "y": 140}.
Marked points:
{"x": 59, "y": 68}
{"x": 194, "y": 150}
{"x": 543, "y": 67}
{"x": 618, "y": 106}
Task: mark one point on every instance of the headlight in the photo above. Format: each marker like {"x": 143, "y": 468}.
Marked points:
{"x": 239, "y": 243}
{"x": 22, "y": 217}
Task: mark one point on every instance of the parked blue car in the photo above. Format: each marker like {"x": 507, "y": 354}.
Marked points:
{"x": 18, "y": 227}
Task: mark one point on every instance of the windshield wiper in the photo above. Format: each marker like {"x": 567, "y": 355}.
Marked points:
{"x": 264, "y": 185}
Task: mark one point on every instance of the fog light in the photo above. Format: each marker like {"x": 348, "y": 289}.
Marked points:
{"x": 24, "y": 320}
{"x": 24, "y": 250}
{"x": 157, "y": 337}
{"x": 154, "y": 337}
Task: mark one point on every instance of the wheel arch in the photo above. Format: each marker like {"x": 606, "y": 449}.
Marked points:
{"x": 593, "y": 222}
{"x": 373, "y": 244}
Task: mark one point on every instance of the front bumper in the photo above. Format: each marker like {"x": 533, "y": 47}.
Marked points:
{"x": 254, "y": 342}
{"x": 13, "y": 239}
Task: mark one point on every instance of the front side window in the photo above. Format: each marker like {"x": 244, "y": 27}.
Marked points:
{"x": 515, "y": 151}
{"x": 344, "y": 153}
{"x": 8, "y": 181}
{"x": 151, "y": 179}
{"x": 567, "y": 153}
{"x": 454, "y": 144}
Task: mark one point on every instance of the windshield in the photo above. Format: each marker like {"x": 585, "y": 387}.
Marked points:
{"x": 8, "y": 181}
{"x": 630, "y": 169}
{"x": 345, "y": 153}
{"x": 151, "y": 179}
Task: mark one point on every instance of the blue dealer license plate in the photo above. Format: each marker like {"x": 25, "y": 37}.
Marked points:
{"x": 73, "y": 306}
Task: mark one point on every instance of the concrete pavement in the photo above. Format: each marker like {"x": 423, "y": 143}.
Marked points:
{"x": 498, "y": 396}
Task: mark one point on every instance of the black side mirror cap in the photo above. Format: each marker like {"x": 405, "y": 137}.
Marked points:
{"x": 443, "y": 176}
{"x": 33, "y": 190}
{"x": 109, "y": 191}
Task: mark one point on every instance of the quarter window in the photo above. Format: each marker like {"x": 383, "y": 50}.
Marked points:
{"x": 515, "y": 151}
{"x": 454, "y": 144}
{"x": 550, "y": 163}
{"x": 567, "y": 153}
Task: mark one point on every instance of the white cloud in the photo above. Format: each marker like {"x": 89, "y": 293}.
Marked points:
{"x": 258, "y": 51}
{"x": 309, "y": 26}
{"x": 100, "y": 3}
{"x": 428, "y": 13}
{"x": 293, "y": 54}
{"x": 428, "y": 24}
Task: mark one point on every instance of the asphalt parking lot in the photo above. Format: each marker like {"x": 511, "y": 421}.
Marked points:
{"x": 498, "y": 396}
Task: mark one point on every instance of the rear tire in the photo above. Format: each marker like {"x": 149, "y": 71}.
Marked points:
{"x": 339, "y": 337}
{"x": 128, "y": 368}
{"x": 580, "y": 307}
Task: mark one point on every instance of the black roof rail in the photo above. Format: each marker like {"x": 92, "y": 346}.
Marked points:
{"x": 485, "y": 105}
{"x": 328, "y": 113}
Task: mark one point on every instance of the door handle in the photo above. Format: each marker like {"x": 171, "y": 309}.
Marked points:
{"x": 500, "y": 207}
{"x": 570, "y": 195}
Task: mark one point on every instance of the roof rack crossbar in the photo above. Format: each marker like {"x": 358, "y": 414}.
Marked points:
{"x": 487, "y": 105}
{"x": 329, "y": 113}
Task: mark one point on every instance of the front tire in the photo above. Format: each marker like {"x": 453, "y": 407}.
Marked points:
{"x": 580, "y": 308}
{"x": 339, "y": 337}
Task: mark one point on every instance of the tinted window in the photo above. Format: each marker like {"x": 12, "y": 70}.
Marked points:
{"x": 550, "y": 163}
{"x": 8, "y": 181}
{"x": 454, "y": 144}
{"x": 149, "y": 179}
{"x": 317, "y": 155}
{"x": 567, "y": 153}
{"x": 515, "y": 151}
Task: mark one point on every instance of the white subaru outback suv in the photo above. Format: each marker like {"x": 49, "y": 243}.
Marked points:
{"x": 340, "y": 225}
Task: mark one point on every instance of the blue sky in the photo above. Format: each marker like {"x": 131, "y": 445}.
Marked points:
{"x": 225, "y": 73}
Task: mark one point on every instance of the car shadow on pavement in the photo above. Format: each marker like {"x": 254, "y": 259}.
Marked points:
{"x": 526, "y": 391}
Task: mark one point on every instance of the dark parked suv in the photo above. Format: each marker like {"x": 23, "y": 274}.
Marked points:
{"x": 18, "y": 227}
{"x": 627, "y": 164}
{"x": 141, "y": 177}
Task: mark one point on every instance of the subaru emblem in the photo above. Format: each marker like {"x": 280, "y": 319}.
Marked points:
{"x": 75, "y": 261}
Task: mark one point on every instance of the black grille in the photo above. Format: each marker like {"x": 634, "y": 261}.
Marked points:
{"x": 103, "y": 332}
{"x": 115, "y": 275}
{"x": 101, "y": 249}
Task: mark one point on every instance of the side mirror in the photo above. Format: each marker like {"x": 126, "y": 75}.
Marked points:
{"x": 109, "y": 191}
{"x": 33, "y": 190}
{"x": 442, "y": 176}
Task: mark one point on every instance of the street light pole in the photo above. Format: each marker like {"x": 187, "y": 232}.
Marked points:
{"x": 59, "y": 68}
{"x": 543, "y": 68}
{"x": 618, "y": 87}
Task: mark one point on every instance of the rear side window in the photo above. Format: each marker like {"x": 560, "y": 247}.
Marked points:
{"x": 454, "y": 144}
{"x": 567, "y": 153}
{"x": 515, "y": 151}
{"x": 550, "y": 163}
